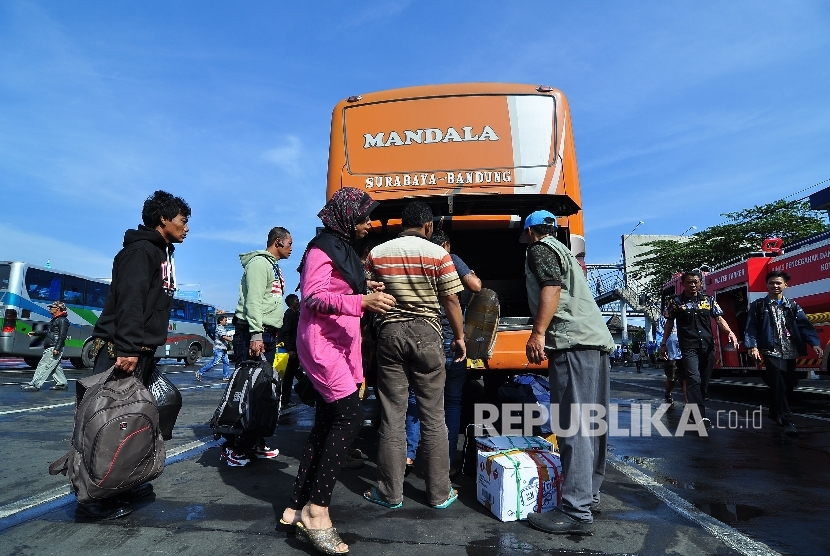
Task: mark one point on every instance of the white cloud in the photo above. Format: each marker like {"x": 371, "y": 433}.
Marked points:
{"x": 37, "y": 249}
{"x": 287, "y": 156}
{"x": 377, "y": 10}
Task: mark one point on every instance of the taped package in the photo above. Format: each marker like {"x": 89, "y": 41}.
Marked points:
{"x": 514, "y": 483}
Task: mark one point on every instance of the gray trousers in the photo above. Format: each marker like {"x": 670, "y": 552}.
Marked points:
{"x": 49, "y": 363}
{"x": 411, "y": 355}
{"x": 580, "y": 376}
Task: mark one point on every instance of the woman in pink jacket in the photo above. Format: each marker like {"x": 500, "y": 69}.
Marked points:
{"x": 334, "y": 292}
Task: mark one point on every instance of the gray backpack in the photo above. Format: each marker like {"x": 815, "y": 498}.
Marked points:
{"x": 116, "y": 442}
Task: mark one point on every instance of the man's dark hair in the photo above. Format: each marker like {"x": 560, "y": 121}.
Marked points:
{"x": 440, "y": 237}
{"x": 291, "y": 298}
{"x": 544, "y": 229}
{"x": 691, "y": 273}
{"x": 778, "y": 274}
{"x": 415, "y": 215}
{"x": 278, "y": 233}
{"x": 161, "y": 203}
{"x": 221, "y": 316}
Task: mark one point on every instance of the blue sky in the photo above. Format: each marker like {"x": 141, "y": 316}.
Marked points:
{"x": 681, "y": 111}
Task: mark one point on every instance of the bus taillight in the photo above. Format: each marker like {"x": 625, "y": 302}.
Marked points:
{"x": 9, "y": 321}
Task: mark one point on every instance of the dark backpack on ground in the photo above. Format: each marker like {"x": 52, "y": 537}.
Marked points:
{"x": 116, "y": 441}
{"x": 251, "y": 403}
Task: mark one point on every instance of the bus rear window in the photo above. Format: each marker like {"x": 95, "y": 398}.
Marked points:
{"x": 5, "y": 272}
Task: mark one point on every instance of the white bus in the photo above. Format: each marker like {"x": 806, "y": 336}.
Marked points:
{"x": 26, "y": 290}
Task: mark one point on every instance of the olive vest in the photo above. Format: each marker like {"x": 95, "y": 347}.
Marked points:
{"x": 578, "y": 322}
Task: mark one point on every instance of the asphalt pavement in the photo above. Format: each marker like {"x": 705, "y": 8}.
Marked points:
{"x": 742, "y": 490}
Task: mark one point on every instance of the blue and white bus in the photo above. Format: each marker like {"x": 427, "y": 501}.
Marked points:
{"x": 26, "y": 290}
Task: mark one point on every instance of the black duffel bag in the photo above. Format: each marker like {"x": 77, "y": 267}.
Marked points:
{"x": 168, "y": 400}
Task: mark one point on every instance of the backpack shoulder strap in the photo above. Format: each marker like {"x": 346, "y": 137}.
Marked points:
{"x": 61, "y": 465}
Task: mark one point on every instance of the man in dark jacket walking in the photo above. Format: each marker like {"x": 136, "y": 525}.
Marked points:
{"x": 50, "y": 361}
{"x": 777, "y": 333}
{"x": 136, "y": 313}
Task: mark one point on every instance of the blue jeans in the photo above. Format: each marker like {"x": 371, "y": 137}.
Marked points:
{"x": 453, "y": 387}
{"x": 217, "y": 355}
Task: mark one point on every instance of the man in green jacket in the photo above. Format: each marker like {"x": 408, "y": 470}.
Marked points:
{"x": 570, "y": 333}
{"x": 257, "y": 321}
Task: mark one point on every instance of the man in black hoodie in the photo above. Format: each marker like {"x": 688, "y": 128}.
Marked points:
{"x": 136, "y": 313}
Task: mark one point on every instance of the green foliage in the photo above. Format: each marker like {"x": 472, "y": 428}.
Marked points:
{"x": 742, "y": 233}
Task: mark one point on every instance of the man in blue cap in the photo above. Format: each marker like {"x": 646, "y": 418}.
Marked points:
{"x": 570, "y": 333}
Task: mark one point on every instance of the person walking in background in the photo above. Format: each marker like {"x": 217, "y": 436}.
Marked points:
{"x": 570, "y": 333}
{"x": 220, "y": 350}
{"x": 422, "y": 277}
{"x": 456, "y": 370}
{"x": 258, "y": 318}
{"x": 334, "y": 291}
{"x": 50, "y": 361}
{"x": 288, "y": 338}
{"x": 777, "y": 333}
{"x": 673, "y": 363}
{"x": 693, "y": 311}
{"x": 133, "y": 322}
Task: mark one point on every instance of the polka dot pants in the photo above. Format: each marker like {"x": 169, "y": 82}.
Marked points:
{"x": 336, "y": 425}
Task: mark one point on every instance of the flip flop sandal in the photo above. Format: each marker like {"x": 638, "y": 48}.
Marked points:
{"x": 372, "y": 496}
{"x": 446, "y": 503}
{"x": 324, "y": 540}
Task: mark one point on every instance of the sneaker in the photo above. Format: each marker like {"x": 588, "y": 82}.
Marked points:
{"x": 29, "y": 388}
{"x": 264, "y": 452}
{"x": 59, "y": 387}
{"x": 669, "y": 401}
{"x": 789, "y": 428}
{"x": 198, "y": 376}
{"x": 234, "y": 459}
{"x": 706, "y": 423}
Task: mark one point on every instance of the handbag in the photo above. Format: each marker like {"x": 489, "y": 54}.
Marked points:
{"x": 305, "y": 389}
{"x": 281, "y": 360}
{"x": 168, "y": 400}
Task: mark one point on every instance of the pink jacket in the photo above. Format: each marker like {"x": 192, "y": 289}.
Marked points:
{"x": 328, "y": 335}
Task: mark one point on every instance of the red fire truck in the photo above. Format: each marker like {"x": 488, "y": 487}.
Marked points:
{"x": 739, "y": 283}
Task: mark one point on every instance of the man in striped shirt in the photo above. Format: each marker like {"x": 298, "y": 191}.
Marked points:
{"x": 421, "y": 277}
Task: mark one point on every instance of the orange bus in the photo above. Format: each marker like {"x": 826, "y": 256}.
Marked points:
{"x": 483, "y": 156}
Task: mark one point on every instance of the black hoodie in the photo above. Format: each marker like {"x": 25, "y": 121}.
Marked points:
{"x": 137, "y": 311}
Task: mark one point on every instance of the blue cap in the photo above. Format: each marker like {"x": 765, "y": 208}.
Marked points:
{"x": 535, "y": 219}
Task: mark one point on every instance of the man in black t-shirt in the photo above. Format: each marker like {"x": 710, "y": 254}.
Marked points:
{"x": 693, "y": 312}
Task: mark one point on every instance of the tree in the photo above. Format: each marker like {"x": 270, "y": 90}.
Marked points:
{"x": 741, "y": 234}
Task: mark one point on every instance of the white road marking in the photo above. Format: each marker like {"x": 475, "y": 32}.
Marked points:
{"x": 174, "y": 456}
{"x": 725, "y": 533}
{"x": 39, "y": 408}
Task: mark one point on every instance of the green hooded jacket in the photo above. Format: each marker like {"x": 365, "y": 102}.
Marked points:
{"x": 260, "y": 292}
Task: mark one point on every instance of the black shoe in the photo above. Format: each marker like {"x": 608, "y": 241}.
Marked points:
{"x": 59, "y": 387}
{"x": 596, "y": 508}
{"x": 140, "y": 491}
{"x": 559, "y": 523}
{"x": 104, "y": 510}
{"x": 777, "y": 420}
{"x": 789, "y": 429}
{"x": 29, "y": 388}
{"x": 706, "y": 423}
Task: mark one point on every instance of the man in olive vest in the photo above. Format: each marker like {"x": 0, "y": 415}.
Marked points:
{"x": 570, "y": 333}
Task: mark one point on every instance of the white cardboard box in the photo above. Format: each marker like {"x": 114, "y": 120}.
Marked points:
{"x": 514, "y": 483}
{"x": 498, "y": 443}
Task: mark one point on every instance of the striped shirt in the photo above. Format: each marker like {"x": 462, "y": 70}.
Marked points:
{"x": 415, "y": 272}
